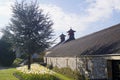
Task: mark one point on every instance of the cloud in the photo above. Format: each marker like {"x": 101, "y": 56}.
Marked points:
{"x": 116, "y": 4}
{"x": 5, "y": 12}
{"x": 5, "y": 9}
{"x": 62, "y": 20}
{"x": 97, "y": 10}
{"x": 101, "y": 9}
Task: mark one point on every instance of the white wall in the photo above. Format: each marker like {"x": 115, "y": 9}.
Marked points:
{"x": 62, "y": 62}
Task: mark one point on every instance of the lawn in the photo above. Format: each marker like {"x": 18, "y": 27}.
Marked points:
{"x": 7, "y": 74}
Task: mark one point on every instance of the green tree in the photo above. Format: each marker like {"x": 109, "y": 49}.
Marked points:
{"x": 30, "y": 29}
{"x": 7, "y": 56}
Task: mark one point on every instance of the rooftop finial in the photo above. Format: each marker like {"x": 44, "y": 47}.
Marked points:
{"x": 71, "y": 34}
{"x": 62, "y": 37}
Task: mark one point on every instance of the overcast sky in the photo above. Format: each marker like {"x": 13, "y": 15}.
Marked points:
{"x": 84, "y": 16}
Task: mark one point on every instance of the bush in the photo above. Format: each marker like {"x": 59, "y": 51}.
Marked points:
{"x": 49, "y": 66}
{"x": 75, "y": 75}
{"x": 7, "y": 56}
{"x": 37, "y": 60}
{"x": 7, "y": 59}
{"x": 17, "y": 62}
{"x": 24, "y": 56}
{"x": 23, "y": 76}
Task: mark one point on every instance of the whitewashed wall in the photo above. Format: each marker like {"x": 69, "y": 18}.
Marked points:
{"x": 62, "y": 62}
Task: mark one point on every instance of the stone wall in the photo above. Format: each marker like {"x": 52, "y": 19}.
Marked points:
{"x": 92, "y": 67}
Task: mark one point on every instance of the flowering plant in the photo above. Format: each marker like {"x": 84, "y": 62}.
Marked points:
{"x": 37, "y": 72}
{"x": 35, "y": 69}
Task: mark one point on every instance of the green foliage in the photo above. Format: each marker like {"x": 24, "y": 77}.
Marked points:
{"x": 17, "y": 62}
{"x": 7, "y": 56}
{"x": 7, "y": 59}
{"x": 49, "y": 66}
{"x": 30, "y": 29}
{"x": 75, "y": 75}
{"x": 24, "y": 76}
{"x": 62, "y": 77}
{"x": 37, "y": 60}
{"x": 24, "y": 56}
{"x": 42, "y": 54}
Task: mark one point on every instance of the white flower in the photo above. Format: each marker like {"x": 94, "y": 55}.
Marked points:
{"x": 35, "y": 69}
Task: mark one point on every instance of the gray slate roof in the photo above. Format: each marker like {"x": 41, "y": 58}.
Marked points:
{"x": 106, "y": 41}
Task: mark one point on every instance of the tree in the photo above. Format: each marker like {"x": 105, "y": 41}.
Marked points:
{"x": 29, "y": 30}
{"x": 7, "y": 56}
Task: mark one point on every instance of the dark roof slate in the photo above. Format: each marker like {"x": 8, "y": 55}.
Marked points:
{"x": 106, "y": 41}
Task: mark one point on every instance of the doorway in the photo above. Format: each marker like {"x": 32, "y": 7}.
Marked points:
{"x": 115, "y": 69}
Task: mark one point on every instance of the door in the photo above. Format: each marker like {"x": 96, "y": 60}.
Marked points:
{"x": 109, "y": 69}
{"x": 115, "y": 69}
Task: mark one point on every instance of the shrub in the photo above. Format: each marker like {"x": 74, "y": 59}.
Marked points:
{"x": 49, "y": 66}
{"x": 75, "y": 75}
{"x": 37, "y": 60}
{"x": 37, "y": 72}
{"x": 24, "y": 56}
{"x": 7, "y": 59}
{"x": 7, "y": 56}
{"x": 17, "y": 62}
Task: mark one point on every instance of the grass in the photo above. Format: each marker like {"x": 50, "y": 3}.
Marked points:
{"x": 61, "y": 77}
{"x": 7, "y": 74}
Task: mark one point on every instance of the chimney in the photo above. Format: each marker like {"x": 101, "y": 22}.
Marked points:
{"x": 62, "y": 37}
{"x": 71, "y": 35}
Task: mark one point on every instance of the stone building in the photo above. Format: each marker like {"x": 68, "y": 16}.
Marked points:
{"x": 96, "y": 56}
